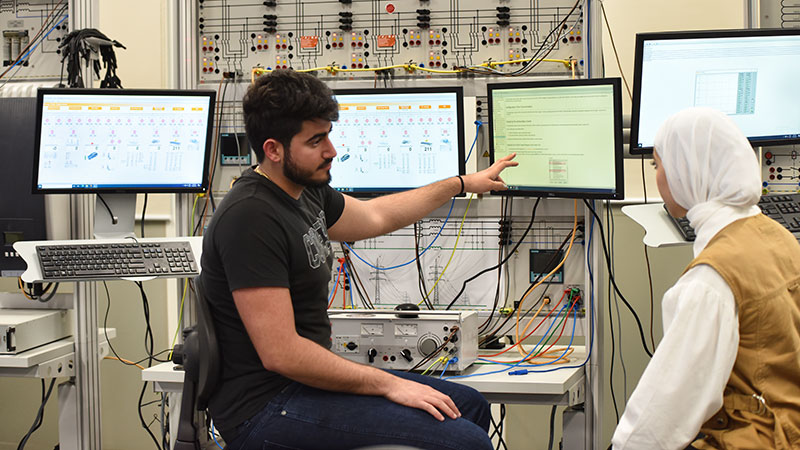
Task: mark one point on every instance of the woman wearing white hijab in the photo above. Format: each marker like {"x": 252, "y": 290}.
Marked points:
{"x": 729, "y": 362}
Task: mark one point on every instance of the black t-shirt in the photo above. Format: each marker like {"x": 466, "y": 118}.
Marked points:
{"x": 261, "y": 237}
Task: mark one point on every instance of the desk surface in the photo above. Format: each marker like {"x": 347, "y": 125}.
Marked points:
{"x": 56, "y": 359}
{"x": 659, "y": 229}
{"x": 563, "y": 387}
{"x": 38, "y": 355}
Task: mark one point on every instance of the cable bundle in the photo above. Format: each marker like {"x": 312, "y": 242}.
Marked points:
{"x": 80, "y": 44}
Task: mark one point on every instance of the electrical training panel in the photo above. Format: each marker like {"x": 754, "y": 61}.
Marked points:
{"x": 32, "y": 30}
{"x": 236, "y": 36}
{"x": 403, "y": 340}
{"x": 780, "y": 169}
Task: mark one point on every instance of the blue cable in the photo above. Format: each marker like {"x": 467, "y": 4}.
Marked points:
{"x": 346, "y": 278}
{"x": 338, "y": 272}
{"x": 449, "y": 361}
{"x": 40, "y": 41}
{"x": 477, "y": 129}
{"x": 512, "y": 365}
{"x": 453, "y": 202}
{"x": 591, "y": 326}
{"x": 214, "y": 435}
{"x": 571, "y": 339}
{"x": 591, "y": 309}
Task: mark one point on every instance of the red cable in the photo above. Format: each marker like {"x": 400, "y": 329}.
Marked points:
{"x": 335, "y": 286}
{"x": 532, "y": 331}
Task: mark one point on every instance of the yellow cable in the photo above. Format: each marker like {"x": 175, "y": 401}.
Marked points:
{"x": 125, "y": 361}
{"x": 439, "y": 360}
{"x": 410, "y": 67}
{"x": 180, "y": 320}
{"x": 191, "y": 219}
{"x": 458, "y": 236}
{"x": 186, "y": 284}
{"x": 566, "y": 255}
{"x": 556, "y": 359}
{"x": 22, "y": 288}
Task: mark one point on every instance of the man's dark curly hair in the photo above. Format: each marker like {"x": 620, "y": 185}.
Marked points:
{"x": 276, "y": 105}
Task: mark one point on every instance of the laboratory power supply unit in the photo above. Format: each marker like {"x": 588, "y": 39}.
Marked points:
{"x": 24, "y": 329}
{"x": 406, "y": 340}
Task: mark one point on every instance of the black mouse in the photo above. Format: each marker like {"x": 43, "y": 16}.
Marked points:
{"x": 407, "y": 307}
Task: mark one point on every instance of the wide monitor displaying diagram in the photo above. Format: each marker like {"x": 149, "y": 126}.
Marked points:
{"x": 750, "y": 75}
{"x": 390, "y": 140}
{"x": 567, "y": 135}
{"x": 123, "y": 141}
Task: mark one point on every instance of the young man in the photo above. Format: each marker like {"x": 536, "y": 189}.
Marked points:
{"x": 266, "y": 267}
{"x": 729, "y": 362}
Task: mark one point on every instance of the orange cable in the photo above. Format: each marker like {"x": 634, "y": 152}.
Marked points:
{"x": 566, "y": 255}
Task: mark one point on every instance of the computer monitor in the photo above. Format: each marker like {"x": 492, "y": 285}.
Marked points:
{"x": 751, "y": 75}
{"x": 567, "y": 135}
{"x": 111, "y": 142}
{"x": 396, "y": 139}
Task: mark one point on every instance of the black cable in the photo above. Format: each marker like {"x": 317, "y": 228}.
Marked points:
{"x": 141, "y": 417}
{"x": 504, "y": 201}
{"x": 360, "y": 289}
{"x": 510, "y": 254}
{"x": 148, "y": 339}
{"x": 114, "y": 218}
{"x": 532, "y": 63}
{"x": 611, "y": 243}
{"x": 614, "y": 282}
{"x": 423, "y": 289}
{"x": 79, "y": 45}
{"x": 492, "y": 336}
{"x": 552, "y": 427}
{"x": 144, "y": 210}
{"x": 199, "y": 219}
{"x": 105, "y": 328}
{"x": 52, "y": 294}
{"x": 497, "y": 427}
{"x": 37, "y": 422}
{"x": 447, "y": 340}
{"x": 214, "y": 165}
{"x": 613, "y": 345}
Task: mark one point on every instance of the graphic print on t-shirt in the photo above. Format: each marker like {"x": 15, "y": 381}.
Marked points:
{"x": 318, "y": 247}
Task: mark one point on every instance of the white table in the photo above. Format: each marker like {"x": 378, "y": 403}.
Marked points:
{"x": 53, "y": 360}
{"x": 564, "y": 387}
{"x": 658, "y": 227}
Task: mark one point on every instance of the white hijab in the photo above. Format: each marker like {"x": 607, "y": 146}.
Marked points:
{"x": 708, "y": 163}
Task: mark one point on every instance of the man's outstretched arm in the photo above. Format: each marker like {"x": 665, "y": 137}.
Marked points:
{"x": 365, "y": 219}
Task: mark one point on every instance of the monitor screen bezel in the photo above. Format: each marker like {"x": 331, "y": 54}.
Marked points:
{"x": 42, "y": 92}
{"x": 618, "y": 192}
{"x": 458, "y": 90}
{"x": 641, "y": 38}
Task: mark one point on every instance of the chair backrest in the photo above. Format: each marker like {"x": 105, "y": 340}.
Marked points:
{"x": 209, "y": 360}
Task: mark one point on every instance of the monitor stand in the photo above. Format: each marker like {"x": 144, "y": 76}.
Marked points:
{"x": 121, "y": 225}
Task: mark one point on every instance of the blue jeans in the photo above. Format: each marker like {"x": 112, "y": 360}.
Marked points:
{"x": 302, "y": 417}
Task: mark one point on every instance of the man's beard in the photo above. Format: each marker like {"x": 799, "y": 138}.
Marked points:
{"x": 303, "y": 177}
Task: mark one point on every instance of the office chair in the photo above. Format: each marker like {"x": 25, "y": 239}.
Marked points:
{"x": 200, "y": 358}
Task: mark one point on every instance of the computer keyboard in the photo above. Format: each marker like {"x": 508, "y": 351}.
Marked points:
{"x": 682, "y": 224}
{"x": 100, "y": 261}
{"x": 784, "y": 209}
